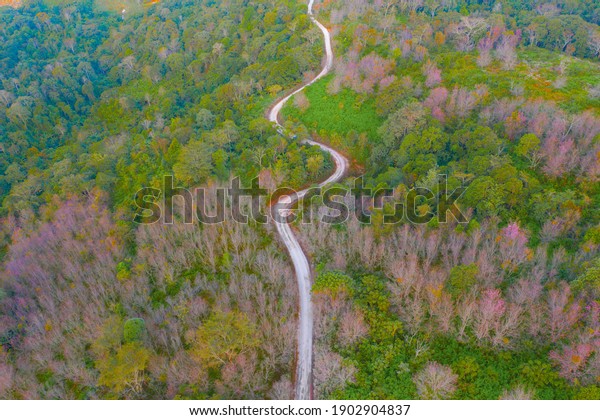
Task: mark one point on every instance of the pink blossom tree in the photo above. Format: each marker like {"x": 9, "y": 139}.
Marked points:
{"x": 512, "y": 248}
{"x": 490, "y": 310}
{"x": 563, "y": 313}
{"x": 484, "y": 47}
{"x": 461, "y": 102}
{"x": 572, "y": 360}
{"x": 435, "y": 101}
{"x": 432, "y": 74}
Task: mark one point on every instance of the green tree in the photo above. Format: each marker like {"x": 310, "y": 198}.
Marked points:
{"x": 219, "y": 159}
{"x": 134, "y": 330}
{"x": 474, "y": 140}
{"x": 483, "y": 195}
{"x": 590, "y": 280}
{"x": 124, "y": 371}
{"x": 173, "y": 152}
{"x": 590, "y": 392}
{"x": 529, "y": 148}
{"x": 222, "y": 337}
{"x": 332, "y": 282}
{"x": 314, "y": 164}
{"x": 409, "y": 118}
{"x": 194, "y": 164}
{"x": 205, "y": 119}
{"x": 462, "y": 278}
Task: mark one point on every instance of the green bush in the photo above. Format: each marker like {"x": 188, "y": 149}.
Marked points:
{"x": 124, "y": 270}
{"x": 332, "y": 281}
{"x": 134, "y": 330}
{"x": 590, "y": 280}
{"x": 593, "y": 235}
{"x": 591, "y": 392}
{"x": 462, "y": 278}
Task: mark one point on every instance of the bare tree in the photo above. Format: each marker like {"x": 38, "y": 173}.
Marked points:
{"x": 282, "y": 389}
{"x": 128, "y": 62}
{"x": 594, "y": 43}
{"x": 518, "y": 393}
{"x": 6, "y": 97}
{"x": 468, "y": 29}
{"x": 435, "y": 381}
{"x": 6, "y": 375}
{"x": 20, "y": 110}
{"x": 330, "y": 372}
{"x": 69, "y": 44}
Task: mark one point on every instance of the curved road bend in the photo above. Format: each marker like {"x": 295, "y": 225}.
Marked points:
{"x": 303, "y": 388}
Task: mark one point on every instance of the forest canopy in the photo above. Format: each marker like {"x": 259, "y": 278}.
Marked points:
{"x": 99, "y": 99}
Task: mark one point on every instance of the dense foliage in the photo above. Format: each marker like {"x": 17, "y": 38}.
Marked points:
{"x": 500, "y": 97}
{"x": 95, "y": 105}
{"x": 91, "y": 100}
{"x": 487, "y": 94}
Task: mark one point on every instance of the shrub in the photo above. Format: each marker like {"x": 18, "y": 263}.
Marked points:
{"x": 333, "y": 282}
{"x": 540, "y": 374}
{"x": 224, "y": 336}
{"x": 589, "y": 280}
{"x": 124, "y": 371}
{"x": 591, "y": 392}
{"x": 134, "y": 330}
{"x": 462, "y": 278}
{"x": 124, "y": 270}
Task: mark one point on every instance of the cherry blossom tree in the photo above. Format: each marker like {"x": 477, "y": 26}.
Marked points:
{"x": 512, "y": 249}
{"x": 432, "y": 74}
{"x": 572, "y": 360}
{"x": 437, "y": 97}
{"x": 490, "y": 309}
{"x": 562, "y": 312}
{"x": 461, "y": 102}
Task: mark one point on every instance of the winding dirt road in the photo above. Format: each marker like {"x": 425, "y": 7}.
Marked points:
{"x": 303, "y": 388}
